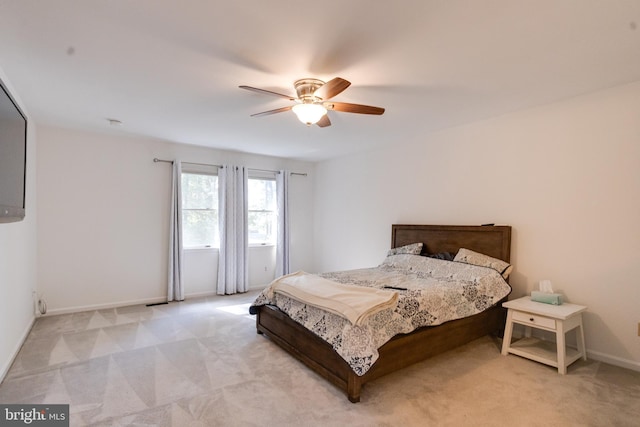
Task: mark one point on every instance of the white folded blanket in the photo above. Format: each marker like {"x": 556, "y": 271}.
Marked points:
{"x": 355, "y": 303}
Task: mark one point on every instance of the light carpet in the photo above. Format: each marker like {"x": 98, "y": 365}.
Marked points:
{"x": 201, "y": 363}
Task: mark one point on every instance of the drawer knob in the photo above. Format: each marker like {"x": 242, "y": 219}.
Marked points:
{"x": 531, "y": 319}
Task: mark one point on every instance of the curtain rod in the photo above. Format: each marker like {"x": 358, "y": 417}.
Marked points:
{"x": 156, "y": 160}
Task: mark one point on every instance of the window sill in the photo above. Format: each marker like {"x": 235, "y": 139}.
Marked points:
{"x": 216, "y": 249}
{"x": 202, "y": 249}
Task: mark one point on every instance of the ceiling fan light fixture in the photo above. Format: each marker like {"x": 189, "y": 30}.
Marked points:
{"x": 309, "y": 114}
{"x": 312, "y": 101}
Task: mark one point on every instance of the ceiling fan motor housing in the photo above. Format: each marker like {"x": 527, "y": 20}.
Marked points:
{"x": 305, "y": 88}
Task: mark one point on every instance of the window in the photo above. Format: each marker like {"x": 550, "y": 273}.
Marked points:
{"x": 200, "y": 210}
{"x": 262, "y": 213}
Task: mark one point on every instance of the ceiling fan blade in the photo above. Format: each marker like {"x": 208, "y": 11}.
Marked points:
{"x": 268, "y": 113}
{"x": 324, "y": 121}
{"x": 331, "y": 88}
{"x": 268, "y": 92}
{"x": 353, "y": 108}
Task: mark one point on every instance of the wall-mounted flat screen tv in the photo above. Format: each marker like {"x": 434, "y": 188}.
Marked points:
{"x": 13, "y": 158}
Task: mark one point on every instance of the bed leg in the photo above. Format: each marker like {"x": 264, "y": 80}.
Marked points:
{"x": 258, "y": 326}
{"x": 353, "y": 388}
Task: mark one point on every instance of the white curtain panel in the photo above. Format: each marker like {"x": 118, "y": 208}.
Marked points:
{"x": 175, "y": 283}
{"x": 233, "y": 205}
{"x": 283, "y": 242}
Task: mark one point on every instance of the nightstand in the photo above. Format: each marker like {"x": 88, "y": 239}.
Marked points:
{"x": 554, "y": 318}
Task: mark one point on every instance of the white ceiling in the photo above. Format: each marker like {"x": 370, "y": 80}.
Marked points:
{"x": 171, "y": 69}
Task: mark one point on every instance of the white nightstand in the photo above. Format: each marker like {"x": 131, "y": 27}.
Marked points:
{"x": 555, "y": 318}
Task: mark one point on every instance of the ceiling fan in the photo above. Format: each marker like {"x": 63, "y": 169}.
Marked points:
{"x": 312, "y": 102}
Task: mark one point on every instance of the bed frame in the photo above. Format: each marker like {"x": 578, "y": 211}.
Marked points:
{"x": 405, "y": 349}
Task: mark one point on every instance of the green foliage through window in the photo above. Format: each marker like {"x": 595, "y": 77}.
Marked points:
{"x": 262, "y": 211}
{"x": 200, "y": 210}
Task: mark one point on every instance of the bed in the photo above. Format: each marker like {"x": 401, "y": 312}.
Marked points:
{"x": 403, "y": 349}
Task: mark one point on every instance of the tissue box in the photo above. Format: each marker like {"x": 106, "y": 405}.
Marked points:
{"x": 547, "y": 298}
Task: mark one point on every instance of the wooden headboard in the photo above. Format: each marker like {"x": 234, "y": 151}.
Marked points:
{"x": 494, "y": 241}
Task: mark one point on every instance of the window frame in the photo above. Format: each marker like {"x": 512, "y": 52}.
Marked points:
{"x": 264, "y": 176}
{"x": 193, "y": 169}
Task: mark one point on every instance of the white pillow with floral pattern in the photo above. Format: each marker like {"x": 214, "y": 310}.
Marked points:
{"x": 468, "y": 256}
{"x": 412, "y": 249}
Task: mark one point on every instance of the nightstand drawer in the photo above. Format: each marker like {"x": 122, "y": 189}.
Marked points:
{"x": 534, "y": 320}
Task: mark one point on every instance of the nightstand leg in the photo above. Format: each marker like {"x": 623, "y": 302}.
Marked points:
{"x": 580, "y": 339}
{"x": 562, "y": 349}
{"x": 508, "y": 331}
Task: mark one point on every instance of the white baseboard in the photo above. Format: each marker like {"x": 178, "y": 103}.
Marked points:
{"x": 16, "y": 349}
{"x": 595, "y": 355}
{"x": 215, "y": 294}
{"x": 613, "y": 360}
{"x": 200, "y": 294}
{"x": 78, "y": 309}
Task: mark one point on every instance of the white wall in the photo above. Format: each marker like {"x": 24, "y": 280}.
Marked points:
{"x": 18, "y": 260}
{"x": 201, "y": 268}
{"x": 103, "y": 218}
{"x": 565, "y": 176}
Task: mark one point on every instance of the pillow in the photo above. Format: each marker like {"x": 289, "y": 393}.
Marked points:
{"x": 470, "y": 257}
{"x": 412, "y": 249}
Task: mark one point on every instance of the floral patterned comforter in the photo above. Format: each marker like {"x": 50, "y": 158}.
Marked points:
{"x": 432, "y": 291}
